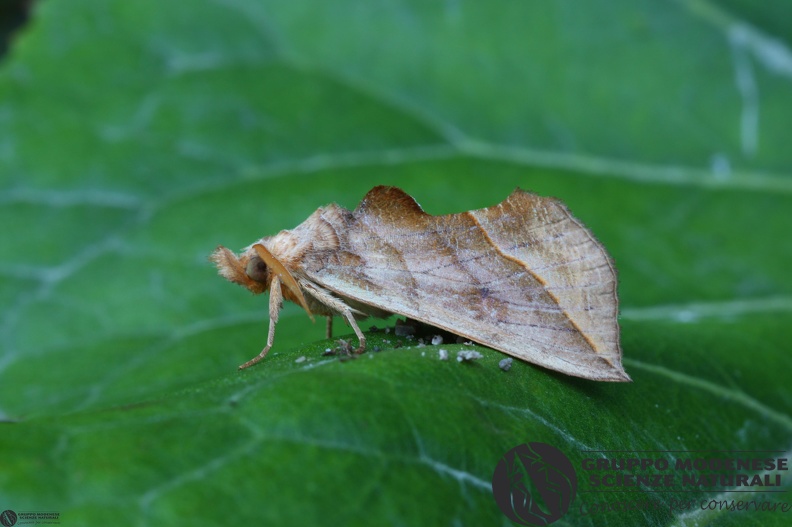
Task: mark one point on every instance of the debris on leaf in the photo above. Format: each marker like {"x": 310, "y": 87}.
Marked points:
{"x": 505, "y": 364}
{"x": 344, "y": 347}
{"x": 468, "y": 355}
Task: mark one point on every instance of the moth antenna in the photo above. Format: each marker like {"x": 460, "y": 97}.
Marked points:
{"x": 285, "y": 276}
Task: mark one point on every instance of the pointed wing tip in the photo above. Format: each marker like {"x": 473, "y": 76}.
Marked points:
{"x": 612, "y": 369}
{"x": 615, "y": 374}
{"x": 606, "y": 369}
{"x": 621, "y": 376}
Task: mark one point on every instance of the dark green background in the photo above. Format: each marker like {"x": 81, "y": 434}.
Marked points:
{"x": 137, "y": 136}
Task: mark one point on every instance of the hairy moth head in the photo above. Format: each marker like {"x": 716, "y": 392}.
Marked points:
{"x": 247, "y": 269}
{"x": 254, "y": 269}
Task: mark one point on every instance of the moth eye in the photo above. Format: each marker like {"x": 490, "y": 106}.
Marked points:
{"x": 256, "y": 269}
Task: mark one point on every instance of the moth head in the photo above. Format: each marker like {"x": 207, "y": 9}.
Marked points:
{"x": 276, "y": 267}
{"x": 255, "y": 268}
{"x": 247, "y": 269}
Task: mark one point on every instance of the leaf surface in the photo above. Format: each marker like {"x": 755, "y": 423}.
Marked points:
{"x": 137, "y": 136}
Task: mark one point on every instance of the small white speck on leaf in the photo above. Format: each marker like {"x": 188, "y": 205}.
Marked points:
{"x": 468, "y": 355}
{"x": 505, "y": 364}
{"x": 300, "y": 359}
{"x": 442, "y": 354}
{"x": 437, "y": 340}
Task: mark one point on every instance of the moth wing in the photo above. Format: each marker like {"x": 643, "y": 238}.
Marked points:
{"x": 572, "y": 264}
{"x": 524, "y": 277}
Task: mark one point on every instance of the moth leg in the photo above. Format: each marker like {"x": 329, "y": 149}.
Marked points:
{"x": 339, "y": 306}
{"x": 276, "y": 300}
{"x": 329, "y": 327}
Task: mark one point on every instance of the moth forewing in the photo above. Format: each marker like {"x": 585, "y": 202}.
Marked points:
{"x": 524, "y": 277}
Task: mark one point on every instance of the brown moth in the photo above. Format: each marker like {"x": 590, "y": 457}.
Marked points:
{"x": 524, "y": 277}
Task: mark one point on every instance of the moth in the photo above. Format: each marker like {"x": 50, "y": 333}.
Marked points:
{"x": 524, "y": 276}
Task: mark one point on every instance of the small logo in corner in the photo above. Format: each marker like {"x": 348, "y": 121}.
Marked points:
{"x": 8, "y": 518}
{"x": 534, "y": 484}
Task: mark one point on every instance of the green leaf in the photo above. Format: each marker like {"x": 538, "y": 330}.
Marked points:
{"x": 137, "y": 136}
